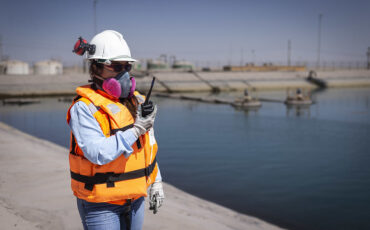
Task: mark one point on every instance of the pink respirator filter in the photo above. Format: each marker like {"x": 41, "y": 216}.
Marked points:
{"x": 112, "y": 87}
{"x": 133, "y": 86}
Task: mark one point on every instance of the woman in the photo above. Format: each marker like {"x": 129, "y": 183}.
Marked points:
{"x": 113, "y": 149}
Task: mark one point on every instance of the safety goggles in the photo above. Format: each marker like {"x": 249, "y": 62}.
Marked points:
{"x": 117, "y": 67}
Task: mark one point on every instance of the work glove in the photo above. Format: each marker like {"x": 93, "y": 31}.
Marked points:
{"x": 156, "y": 196}
{"x": 143, "y": 124}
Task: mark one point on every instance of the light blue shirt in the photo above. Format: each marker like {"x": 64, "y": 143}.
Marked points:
{"x": 96, "y": 147}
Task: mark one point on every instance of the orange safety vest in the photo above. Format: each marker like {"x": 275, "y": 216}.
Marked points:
{"x": 123, "y": 178}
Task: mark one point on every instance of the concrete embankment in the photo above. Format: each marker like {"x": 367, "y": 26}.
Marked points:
{"x": 35, "y": 193}
{"x": 230, "y": 81}
{"x": 32, "y": 85}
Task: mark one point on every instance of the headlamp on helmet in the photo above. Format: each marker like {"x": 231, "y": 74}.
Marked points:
{"x": 81, "y": 46}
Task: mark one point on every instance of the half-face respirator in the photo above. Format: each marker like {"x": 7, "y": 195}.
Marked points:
{"x": 120, "y": 86}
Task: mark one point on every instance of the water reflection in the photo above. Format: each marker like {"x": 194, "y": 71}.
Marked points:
{"x": 192, "y": 105}
{"x": 66, "y": 99}
{"x": 248, "y": 111}
{"x": 298, "y": 111}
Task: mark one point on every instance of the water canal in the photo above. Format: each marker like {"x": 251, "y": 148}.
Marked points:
{"x": 304, "y": 168}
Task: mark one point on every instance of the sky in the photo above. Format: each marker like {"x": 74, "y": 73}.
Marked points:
{"x": 205, "y": 32}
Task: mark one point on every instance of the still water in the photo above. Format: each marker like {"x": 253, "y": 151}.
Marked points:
{"x": 299, "y": 168}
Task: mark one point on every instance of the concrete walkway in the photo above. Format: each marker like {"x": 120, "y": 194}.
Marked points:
{"x": 35, "y": 193}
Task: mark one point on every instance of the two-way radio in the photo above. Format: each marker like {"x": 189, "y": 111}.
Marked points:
{"x": 147, "y": 107}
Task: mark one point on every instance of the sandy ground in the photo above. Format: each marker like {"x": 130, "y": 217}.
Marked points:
{"x": 35, "y": 193}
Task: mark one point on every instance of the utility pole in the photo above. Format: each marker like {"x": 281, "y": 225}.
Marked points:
{"x": 85, "y": 63}
{"x": 368, "y": 58}
{"x": 319, "y": 42}
{"x": 95, "y": 26}
{"x": 2, "y": 57}
{"x": 231, "y": 55}
{"x": 242, "y": 57}
{"x": 289, "y": 51}
{"x": 253, "y": 57}
{"x": 1, "y": 48}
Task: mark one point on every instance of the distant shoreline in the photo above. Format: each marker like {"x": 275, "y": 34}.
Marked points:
{"x": 183, "y": 82}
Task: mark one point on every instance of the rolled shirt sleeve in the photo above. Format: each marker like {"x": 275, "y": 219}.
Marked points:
{"x": 98, "y": 148}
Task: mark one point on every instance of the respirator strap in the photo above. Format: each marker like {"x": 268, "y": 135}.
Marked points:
{"x": 97, "y": 82}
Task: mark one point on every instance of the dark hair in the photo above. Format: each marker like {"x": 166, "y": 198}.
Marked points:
{"x": 97, "y": 69}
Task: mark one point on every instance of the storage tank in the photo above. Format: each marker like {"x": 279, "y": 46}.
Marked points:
{"x": 14, "y": 67}
{"x": 48, "y": 67}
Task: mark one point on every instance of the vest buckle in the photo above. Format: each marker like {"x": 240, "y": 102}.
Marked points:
{"x": 110, "y": 179}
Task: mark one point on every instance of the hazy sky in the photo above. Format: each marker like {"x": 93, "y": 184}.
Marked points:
{"x": 204, "y": 32}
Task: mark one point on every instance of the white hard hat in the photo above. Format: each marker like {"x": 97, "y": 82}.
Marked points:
{"x": 110, "y": 46}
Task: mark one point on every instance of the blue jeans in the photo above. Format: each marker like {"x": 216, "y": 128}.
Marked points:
{"x": 101, "y": 216}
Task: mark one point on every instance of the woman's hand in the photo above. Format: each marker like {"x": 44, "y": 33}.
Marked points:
{"x": 143, "y": 124}
{"x": 156, "y": 196}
